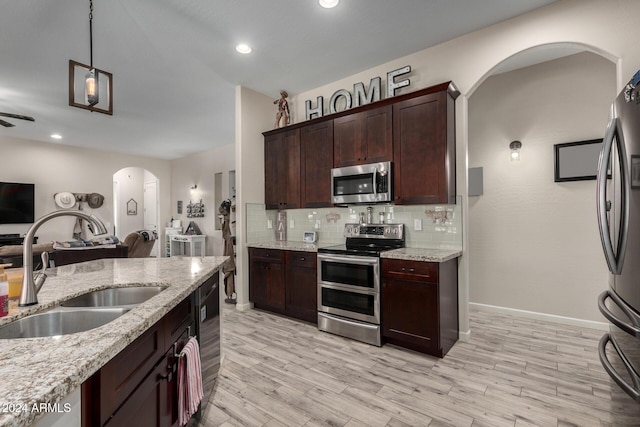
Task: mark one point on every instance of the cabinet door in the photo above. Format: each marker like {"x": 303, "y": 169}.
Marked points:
{"x": 410, "y": 314}
{"x": 148, "y": 405}
{"x": 316, "y": 144}
{"x": 302, "y": 287}
{"x": 364, "y": 137}
{"x": 347, "y": 141}
{"x": 273, "y": 167}
{"x": 266, "y": 279}
{"x": 282, "y": 170}
{"x": 377, "y": 135}
{"x": 424, "y": 150}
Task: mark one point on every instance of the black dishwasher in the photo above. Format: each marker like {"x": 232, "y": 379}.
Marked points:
{"x": 208, "y": 324}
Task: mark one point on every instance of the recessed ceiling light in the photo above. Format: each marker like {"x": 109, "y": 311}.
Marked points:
{"x": 243, "y": 48}
{"x": 56, "y": 136}
{"x": 328, "y": 4}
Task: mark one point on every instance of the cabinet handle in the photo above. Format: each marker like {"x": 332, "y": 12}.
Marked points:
{"x": 165, "y": 377}
{"x": 410, "y": 270}
{"x": 302, "y": 258}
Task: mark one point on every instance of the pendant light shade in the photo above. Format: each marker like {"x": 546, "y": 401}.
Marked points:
{"x": 85, "y": 83}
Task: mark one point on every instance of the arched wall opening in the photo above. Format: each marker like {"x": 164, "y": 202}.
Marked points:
{"x": 532, "y": 244}
{"x": 136, "y": 204}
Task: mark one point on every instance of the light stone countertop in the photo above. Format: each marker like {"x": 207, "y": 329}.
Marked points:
{"x": 409, "y": 254}
{"x": 286, "y": 245}
{"x": 422, "y": 254}
{"x": 45, "y": 370}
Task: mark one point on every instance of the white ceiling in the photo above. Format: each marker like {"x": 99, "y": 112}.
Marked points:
{"x": 175, "y": 68}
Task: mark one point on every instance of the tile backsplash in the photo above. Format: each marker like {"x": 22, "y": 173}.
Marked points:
{"x": 426, "y": 226}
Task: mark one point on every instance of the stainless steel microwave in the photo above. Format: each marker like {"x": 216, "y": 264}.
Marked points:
{"x": 371, "y": 183}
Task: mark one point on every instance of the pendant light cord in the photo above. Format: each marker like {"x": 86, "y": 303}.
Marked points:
{"x": 91, "y": 33}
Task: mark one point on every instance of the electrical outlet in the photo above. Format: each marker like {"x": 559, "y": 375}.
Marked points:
{"x": 269, "y": 224}
{"x": 317, "y": 224}
{"x": 417, "y": 224}
{"x": 292, "y": 224}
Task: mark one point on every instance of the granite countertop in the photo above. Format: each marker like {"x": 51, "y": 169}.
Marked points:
{"x": 286, "y": 245}
{"x": 45, "y": 370}
{"x": 422, "y": 254}
{"x": 409, "y": 254}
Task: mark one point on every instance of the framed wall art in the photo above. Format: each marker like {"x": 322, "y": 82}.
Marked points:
{"x": 132, "y": 207}
{"x": 577, "y": 161}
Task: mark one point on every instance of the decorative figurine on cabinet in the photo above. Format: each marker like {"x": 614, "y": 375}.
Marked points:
{"x": 283, "y": 110}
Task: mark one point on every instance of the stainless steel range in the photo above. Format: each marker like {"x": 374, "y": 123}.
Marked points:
{"x": 349, "y": 281}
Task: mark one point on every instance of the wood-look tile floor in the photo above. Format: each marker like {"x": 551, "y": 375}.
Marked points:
{"x": 513, "y": 372}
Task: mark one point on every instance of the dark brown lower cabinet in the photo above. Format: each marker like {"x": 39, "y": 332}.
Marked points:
{"x": 138, "y": 387}
{"x": 420, "y": 304}
{"x": 284, "y": 282}
{"x": 302, "y": 286}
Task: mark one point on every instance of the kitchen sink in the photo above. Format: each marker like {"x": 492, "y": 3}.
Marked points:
{"x": 113, "y": 297}
{"x": 59, "y": 322}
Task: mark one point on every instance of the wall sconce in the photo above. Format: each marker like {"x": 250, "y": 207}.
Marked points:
{"x": 515, "y": 147}
{"x": 93, "y": 81}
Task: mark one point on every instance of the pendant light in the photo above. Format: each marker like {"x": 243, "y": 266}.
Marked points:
{"x": 90, "y": 99}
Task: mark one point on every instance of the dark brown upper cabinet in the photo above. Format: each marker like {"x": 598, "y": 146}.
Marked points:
{"x": 282, "y": 170}
{"x": 416, "y": 131}
{"x": 364, "y": 137}
{"x": 424, "y": 148}
{"x": 316, "y": 161}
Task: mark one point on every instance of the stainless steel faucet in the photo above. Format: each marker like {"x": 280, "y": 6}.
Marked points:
{"x": 29, "y": 292}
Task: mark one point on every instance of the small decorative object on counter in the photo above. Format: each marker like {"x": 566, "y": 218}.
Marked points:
{"x": 4, "y": 291}
{"x": 283, "y": 110}
{"x": 281, "y": 226}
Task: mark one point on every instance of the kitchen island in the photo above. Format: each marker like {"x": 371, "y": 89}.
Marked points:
{"x": 37, "y": 371}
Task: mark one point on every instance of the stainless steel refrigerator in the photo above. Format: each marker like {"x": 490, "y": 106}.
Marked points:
{"x": 618, "y": 194}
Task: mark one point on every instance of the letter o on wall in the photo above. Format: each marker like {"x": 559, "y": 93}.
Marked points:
{"x": 336, "y": 96}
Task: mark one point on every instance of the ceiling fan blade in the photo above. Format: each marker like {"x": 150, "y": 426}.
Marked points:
{"x": 6, "y": 124}
{"x": 17, "y": 116}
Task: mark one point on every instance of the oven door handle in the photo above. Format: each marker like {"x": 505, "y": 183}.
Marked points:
{"x": 349, "y": 259}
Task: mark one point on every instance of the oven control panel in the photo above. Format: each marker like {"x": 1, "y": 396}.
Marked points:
{"x": 376, "y": 231}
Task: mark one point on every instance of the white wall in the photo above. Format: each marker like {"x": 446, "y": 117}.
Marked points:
{"x": 200, "y": 169}
{"x": 130, "y": 184}
{"x": 534, "y": 243}
{"x": 254, "y": 115}
{"x": 54, "y": 168}
{"x": 468, "y": 61}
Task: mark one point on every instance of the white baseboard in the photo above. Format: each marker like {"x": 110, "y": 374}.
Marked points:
{"x": 244, "y": 307}
{"x": 602, "y": 326}
{"x": 464, "y": 336}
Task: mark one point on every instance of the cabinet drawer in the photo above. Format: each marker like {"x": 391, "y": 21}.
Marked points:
{"x": 302, "y": 259}
{"x": 274, "y": 255}
{"x": 410, "y": 270}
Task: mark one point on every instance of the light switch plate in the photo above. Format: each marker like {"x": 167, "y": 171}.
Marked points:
{"x": 417, "y": 224}
{"x": 292, "y": 224}
{"x": 269, "y": 224}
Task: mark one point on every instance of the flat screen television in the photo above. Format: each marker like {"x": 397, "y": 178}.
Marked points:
{"x": 16, "y": 203}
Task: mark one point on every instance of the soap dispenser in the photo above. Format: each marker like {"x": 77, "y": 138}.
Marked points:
{"x": 4, "y": 291}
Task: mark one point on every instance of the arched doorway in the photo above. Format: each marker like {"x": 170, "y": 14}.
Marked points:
{"x": 533, "y": 243}
{"x": 136, "y": 203}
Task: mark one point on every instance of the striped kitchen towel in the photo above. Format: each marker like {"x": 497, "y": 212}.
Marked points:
{"x": 190, "y": 391}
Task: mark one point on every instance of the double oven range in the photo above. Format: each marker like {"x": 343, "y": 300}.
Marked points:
{"x": 349, "y": 281}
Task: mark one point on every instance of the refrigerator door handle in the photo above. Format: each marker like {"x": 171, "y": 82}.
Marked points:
{"x": 631, "y": 390}
{"x": 625, "y": 194}
{"x": 615, "y": 259}
{"x": 631, "y": 328}
{"x": 601, "y": 190}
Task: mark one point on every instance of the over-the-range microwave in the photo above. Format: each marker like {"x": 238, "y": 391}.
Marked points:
{"x": 371, "y": 183}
